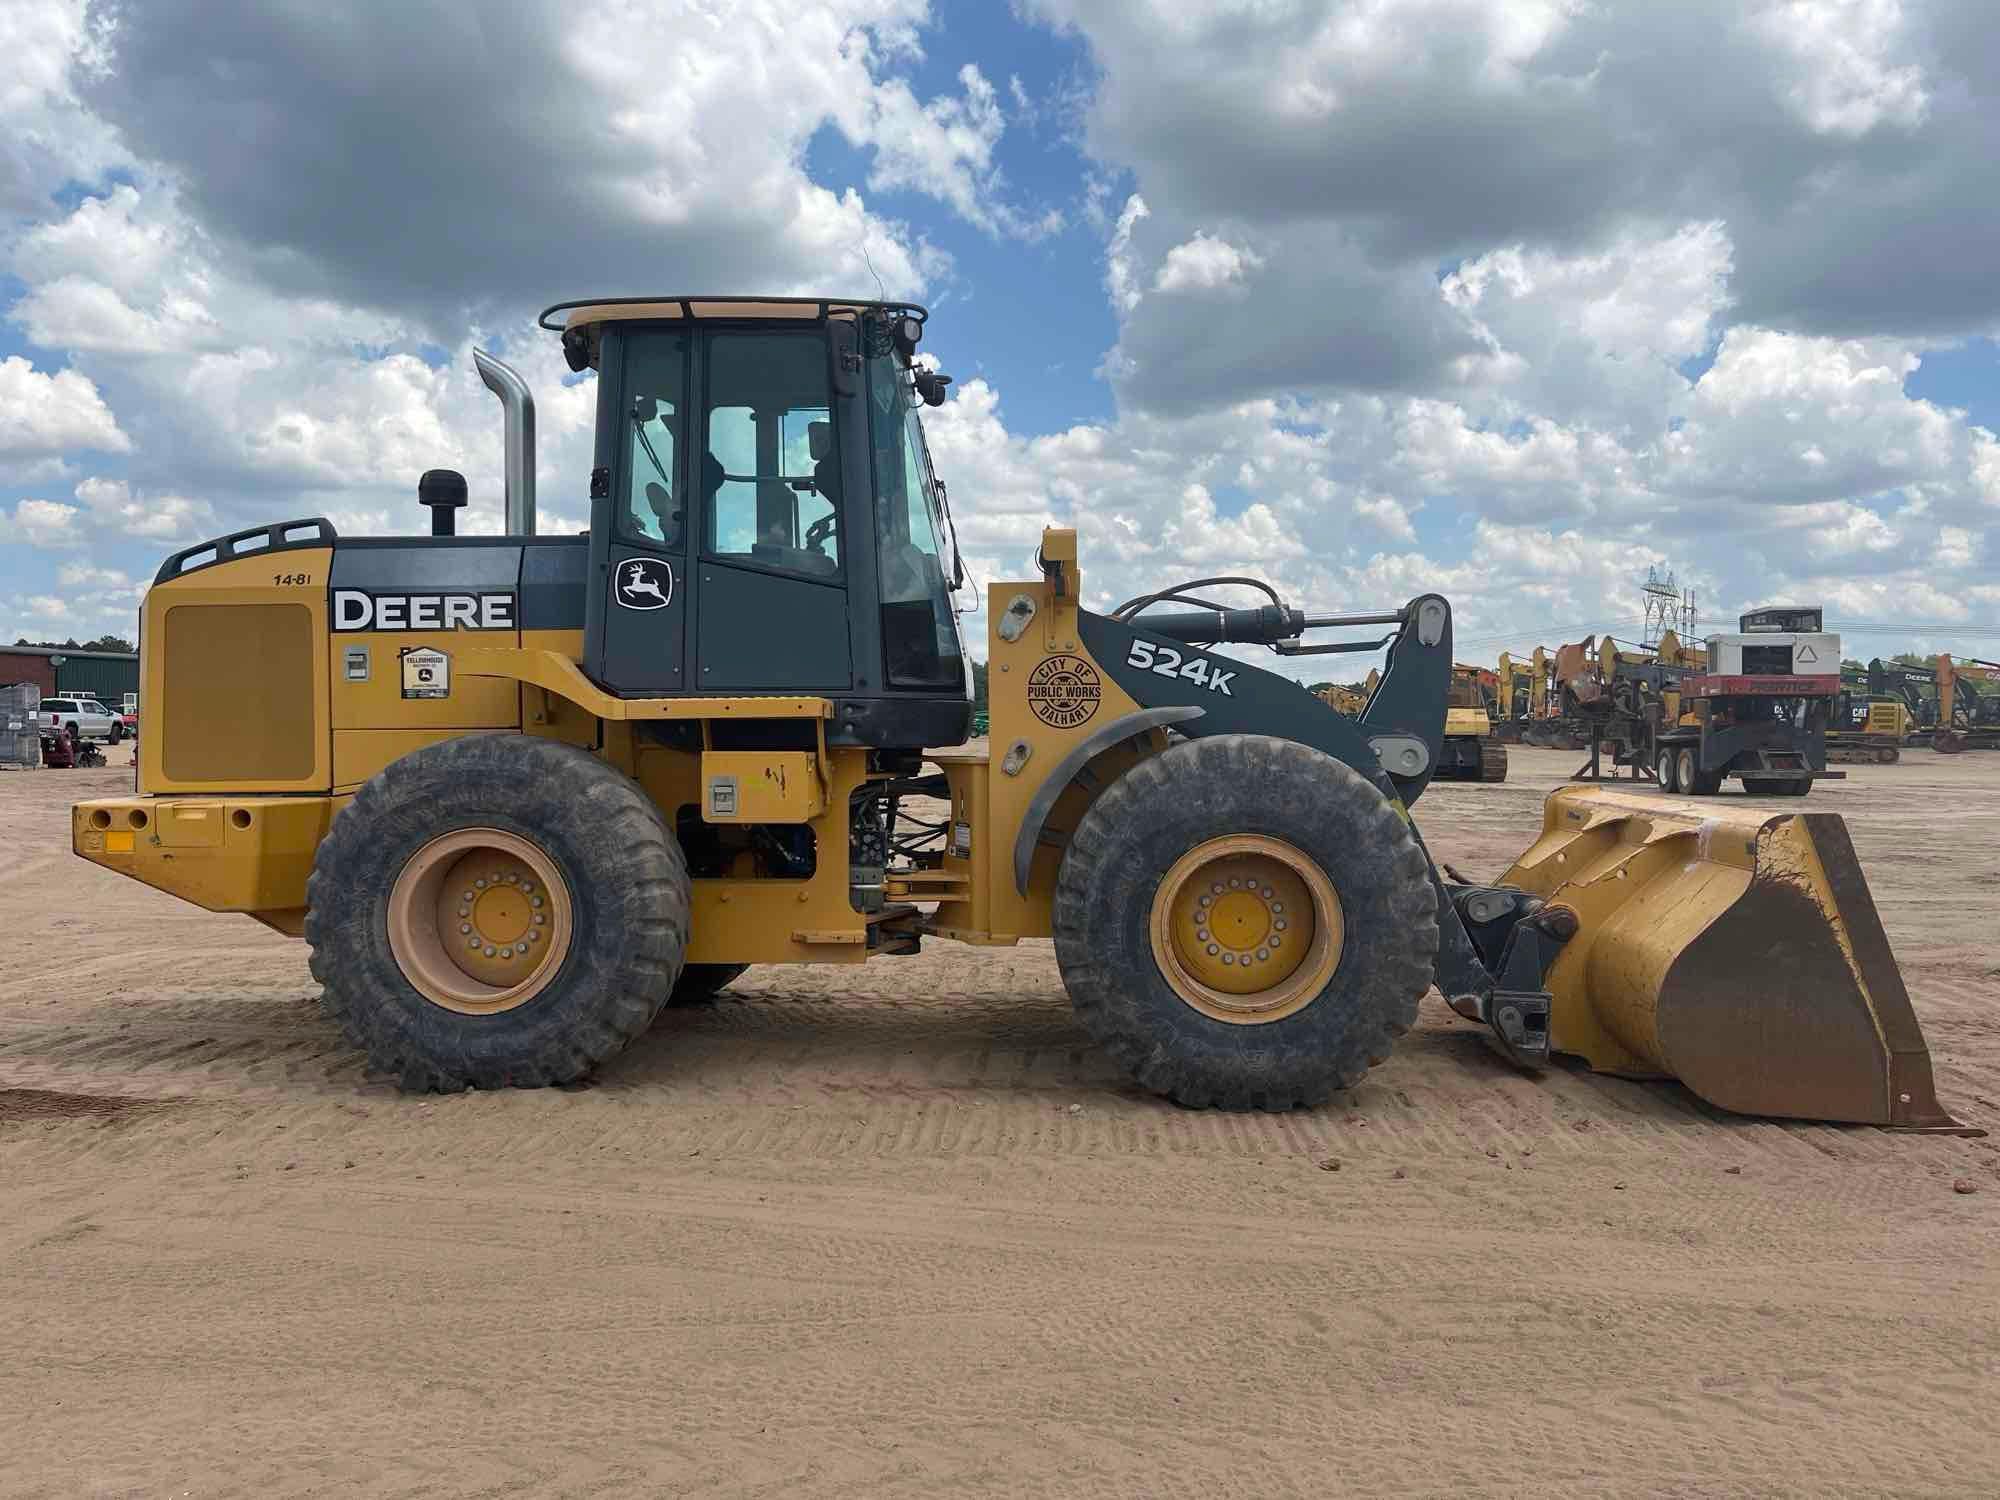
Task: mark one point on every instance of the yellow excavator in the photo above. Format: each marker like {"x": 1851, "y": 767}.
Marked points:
{"x": 516, "y": 793}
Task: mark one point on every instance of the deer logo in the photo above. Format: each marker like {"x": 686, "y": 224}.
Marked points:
{"x": 644, "y": 583}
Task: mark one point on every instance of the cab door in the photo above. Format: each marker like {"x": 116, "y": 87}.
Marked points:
{"x": 771, "y": 596}
{"x": 636, "y": 617}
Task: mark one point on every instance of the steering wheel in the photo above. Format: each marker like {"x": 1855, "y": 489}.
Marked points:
{"x": 818, "y": 532}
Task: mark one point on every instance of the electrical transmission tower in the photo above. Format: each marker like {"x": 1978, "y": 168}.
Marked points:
{"x": 1667, "y": 607}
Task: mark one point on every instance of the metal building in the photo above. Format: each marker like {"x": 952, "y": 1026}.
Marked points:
{"x": 108, "y": 676}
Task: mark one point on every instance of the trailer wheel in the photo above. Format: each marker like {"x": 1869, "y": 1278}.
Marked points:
{"x": 1245, "y": 922}
{"x": 701, "y": 983}
{"x": 496, "y": 910}
{"x": 1666, "y": 771}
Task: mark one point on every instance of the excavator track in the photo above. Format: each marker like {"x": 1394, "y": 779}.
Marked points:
{"x": 1492, "y": 761}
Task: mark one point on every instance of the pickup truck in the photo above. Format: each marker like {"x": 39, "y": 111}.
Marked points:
{"x": 92, "y": 720}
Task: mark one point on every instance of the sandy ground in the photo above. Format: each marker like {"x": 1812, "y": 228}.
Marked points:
{"x": 901, "y": 1231}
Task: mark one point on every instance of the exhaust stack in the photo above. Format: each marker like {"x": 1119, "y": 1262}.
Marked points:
{"x": 519, "y": 404}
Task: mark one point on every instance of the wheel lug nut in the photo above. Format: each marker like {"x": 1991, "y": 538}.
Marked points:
{"x": 1269, "y": 893}
{"x": 535, "y": 901}
{"x": 1281, "y": 924}
{"x": 1200, "y": 936}
{"x": 464, "y": 927}
{"x": 539, "y": 919}
{"x": 527, "y": 888}
{"x": 1217, "y": 888}
{"x": 472, "y": 942}
{"x": 479, "y": 885}
{"x": 489, "y": 950}
{"x": 1229, "y": 958}
{"x": 1277, "y": 942}
{"x": 1277, "y": 906}
{"x": 466, "y": 897}
{"x": 1262, "y": 954}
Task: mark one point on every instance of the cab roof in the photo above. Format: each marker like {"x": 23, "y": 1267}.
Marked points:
{"x": 590, "y": 312}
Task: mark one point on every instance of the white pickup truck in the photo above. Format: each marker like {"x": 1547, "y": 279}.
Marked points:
{"x": 91, "y": 719}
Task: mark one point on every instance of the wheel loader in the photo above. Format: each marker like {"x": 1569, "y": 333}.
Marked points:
{"x": 519, "y": 792}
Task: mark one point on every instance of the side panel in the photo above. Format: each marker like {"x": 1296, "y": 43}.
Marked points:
{"x": 1044, "y": 693}
{"x": 759, "y": 632}
{"x": 446, "y": 595}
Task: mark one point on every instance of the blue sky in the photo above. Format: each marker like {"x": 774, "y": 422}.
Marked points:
{"x": 1368, "y": 299}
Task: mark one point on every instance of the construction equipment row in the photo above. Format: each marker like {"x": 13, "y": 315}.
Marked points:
{"x": 1472, "y": 747}
{"x": 517, "y": 793}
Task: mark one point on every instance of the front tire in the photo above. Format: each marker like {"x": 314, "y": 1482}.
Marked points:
{"x": 1245, "y": 922}
{"x": 496, "y": 910}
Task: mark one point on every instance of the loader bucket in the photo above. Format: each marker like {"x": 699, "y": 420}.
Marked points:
{"x": 1733, "y": 948}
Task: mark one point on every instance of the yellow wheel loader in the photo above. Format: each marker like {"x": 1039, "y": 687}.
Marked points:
{"x": 519, "y": 792}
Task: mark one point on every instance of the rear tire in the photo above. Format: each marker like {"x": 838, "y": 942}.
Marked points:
{"x": 1357, "y": 967}
{"x": 382, "y": 943}
{"x": 1666, "y": 771}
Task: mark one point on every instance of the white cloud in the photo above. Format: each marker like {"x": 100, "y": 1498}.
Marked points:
{"x": 45, "y": 414}
{"x": 113, "y": 506}
{"x": 1852, "y": 67}
{"x": 1205, "y": 264}
{"x": 41, "y": 523}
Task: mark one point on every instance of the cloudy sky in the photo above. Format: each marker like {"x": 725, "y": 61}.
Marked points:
{"x": 1511, "y": 298}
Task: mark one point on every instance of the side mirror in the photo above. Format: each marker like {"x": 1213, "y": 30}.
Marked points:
{"x": 930, "y": 385}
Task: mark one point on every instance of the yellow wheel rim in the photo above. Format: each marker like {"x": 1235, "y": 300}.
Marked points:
{"x": 1247, "y": 929}
{"x": 479, "y": 921}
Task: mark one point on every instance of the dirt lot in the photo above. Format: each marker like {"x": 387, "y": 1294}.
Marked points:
{"x": 901, "y": 1231}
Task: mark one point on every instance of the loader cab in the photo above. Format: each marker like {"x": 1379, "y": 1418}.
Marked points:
{"x": 764, "y": 517}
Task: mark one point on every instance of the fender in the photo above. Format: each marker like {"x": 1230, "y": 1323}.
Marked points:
{"x": 1087, "y": 749}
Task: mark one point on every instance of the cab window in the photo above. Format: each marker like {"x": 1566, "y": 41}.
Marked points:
{"x": 651, "y": 511}
{"x": 919, "y": 630}
{"x": 770, "y": 467}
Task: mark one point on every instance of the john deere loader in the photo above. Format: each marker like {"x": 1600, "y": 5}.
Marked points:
{"x": 519, "y": 792}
